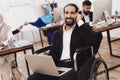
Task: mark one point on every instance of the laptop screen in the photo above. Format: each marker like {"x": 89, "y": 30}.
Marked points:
{"x": 44, "y": 65}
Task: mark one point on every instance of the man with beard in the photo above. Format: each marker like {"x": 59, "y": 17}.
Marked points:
{"x": 74, "y": 34}
{"x": 88, "y": 17}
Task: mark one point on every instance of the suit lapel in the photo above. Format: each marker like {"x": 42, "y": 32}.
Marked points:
{"x": 83, "y": 19}
{"x": 91, "y": 16}
{"x": 73, "y": 38}
{"x": 61, "y": 41}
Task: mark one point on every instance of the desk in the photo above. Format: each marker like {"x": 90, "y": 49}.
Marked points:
{"x": 52, "y": 27}
{"x": 115, "y": 16}
{"x": 108, "y": 28}
{"x": 7, "y": 51}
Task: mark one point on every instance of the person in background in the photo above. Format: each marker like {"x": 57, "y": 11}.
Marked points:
{"x": 5, "y": 61}
{"x": 74, "y": 34}
{"x": 42, "y": 21}
{"x": 87, "y": 14}
{"x": 87, "y": 18}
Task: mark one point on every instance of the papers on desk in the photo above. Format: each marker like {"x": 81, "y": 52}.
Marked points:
{"x": 1, "y": 48}
{"x": 21, "y": 43}
{"x": 102, "y": 24}
{"x": 53, "y": 24}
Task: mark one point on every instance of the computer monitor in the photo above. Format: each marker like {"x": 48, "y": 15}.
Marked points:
{"x": 99, "y": 6}
{"x": 58, "y": 14}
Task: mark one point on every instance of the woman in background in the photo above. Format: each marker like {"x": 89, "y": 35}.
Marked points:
{"x": 6, "y": 61}
{"x": 42, "y": 21}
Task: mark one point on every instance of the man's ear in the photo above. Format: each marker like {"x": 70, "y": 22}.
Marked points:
{"x": 76, "y": 15}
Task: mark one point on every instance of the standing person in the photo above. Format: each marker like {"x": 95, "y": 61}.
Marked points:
{"x": 42, "y": 21}
{"x": 74, "y": 34}
{"x": 5, "y": 61}
{"x": 87, "y": 18}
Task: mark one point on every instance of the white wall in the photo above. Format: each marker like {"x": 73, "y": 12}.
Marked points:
{"x": 15, "y": 12}
{"x": 115, "y": 6}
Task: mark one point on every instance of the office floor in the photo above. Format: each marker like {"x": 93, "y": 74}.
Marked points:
{"x": 104, "y": 51}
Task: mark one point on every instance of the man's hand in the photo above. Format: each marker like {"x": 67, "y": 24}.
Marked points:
{"x": 79, "y": 17}
{"x": 19, "y": 28}
{"x": 26, "y": 23}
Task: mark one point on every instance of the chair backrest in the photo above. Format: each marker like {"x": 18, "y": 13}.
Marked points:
{"x": 81, "y": 55}
{"x": 83, "y": 59}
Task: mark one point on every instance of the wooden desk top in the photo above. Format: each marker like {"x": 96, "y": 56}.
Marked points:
{"x": 52, "y": 26}
{"x": 118, "y": 16}
{"x": 7, "y": 50}
{"x": 114, "y": 25}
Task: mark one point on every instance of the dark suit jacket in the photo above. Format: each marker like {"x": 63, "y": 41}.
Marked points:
{"x": 98, "y": 35}
{"x": 90, "y": 16}
{"x": 81, "y": 36}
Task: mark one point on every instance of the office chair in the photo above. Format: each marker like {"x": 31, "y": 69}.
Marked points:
{"x": 42, "y": 50}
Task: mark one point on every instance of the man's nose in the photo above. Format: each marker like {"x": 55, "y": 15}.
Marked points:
{"x": 69, "y": 15}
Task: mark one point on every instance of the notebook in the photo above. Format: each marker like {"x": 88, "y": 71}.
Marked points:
{"x": 44, "y": 64}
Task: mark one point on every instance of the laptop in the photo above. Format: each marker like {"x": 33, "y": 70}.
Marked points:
{"x": 44, "y": 64}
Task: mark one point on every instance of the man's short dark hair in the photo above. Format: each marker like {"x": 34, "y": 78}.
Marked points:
{"x": 86, "y": 3}
{"x": 72, "y": 4}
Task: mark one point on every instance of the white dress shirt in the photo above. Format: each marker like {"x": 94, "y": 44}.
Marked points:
{"x": 86, "y": 17}
{"x": 66, "y": 41}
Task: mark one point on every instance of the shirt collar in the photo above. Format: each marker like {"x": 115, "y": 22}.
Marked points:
{"x": 72, "y": 28}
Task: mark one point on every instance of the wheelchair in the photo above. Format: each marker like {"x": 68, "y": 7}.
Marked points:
{"x": 93, "y": 68}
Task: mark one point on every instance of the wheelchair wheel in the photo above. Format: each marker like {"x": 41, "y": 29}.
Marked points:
{"x": 99, "y": 70}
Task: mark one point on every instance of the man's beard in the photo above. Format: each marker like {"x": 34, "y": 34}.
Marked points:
{"x": 86, "y": 12}
{"x": 71, "y": 23}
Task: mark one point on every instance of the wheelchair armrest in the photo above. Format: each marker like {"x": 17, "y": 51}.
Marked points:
{"x": 78, "y": 50}
{"x": 42, "y": 49}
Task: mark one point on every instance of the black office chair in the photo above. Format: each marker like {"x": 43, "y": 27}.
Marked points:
{"x": 42, "y": 50}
